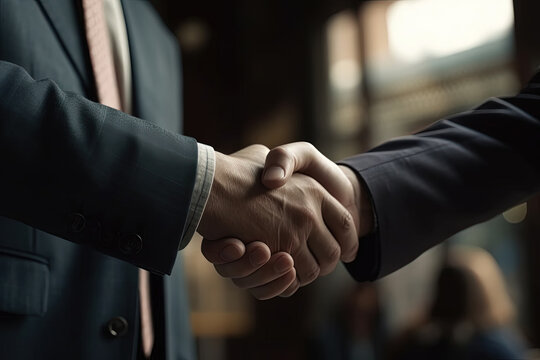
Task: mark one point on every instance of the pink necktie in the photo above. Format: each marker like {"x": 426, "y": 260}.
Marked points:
{"x": 108, "y": 92}
{"x": 147, "y": 328}
{"x": 101, "y": 55}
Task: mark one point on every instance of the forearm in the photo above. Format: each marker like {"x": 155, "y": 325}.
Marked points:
{"x": 64, "y": 155}
{"x": 456, "y": 173}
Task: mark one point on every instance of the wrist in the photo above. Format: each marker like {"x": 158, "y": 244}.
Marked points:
{"x": 362, "y": 209}
{"x": 208, "y": 217}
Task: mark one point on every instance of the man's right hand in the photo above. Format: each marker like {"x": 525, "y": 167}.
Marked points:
{"x": 299, "y": 218}
{"x": 281, "y": 163}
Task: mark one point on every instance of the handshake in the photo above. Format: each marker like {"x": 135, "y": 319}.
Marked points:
{"x": 276, "y": 220}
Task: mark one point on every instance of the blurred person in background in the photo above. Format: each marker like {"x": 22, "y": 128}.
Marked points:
{"x": 357, "y": 330}
{"x": 471, "y": 317}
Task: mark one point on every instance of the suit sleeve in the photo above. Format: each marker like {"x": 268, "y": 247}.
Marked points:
{"x": 91, "y": 174}
{"x": 456, "y": 173}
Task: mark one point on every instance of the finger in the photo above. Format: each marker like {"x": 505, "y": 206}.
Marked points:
{"x": 222, "y": 251}
{"x": 276, "y": 287}
{"x": 340, "y": 223}
{"x": 324, "y": 248}
{"x": 307, "y": 268}
{"x": 257, "y": 254}
{"x": 291, "y": 289}
{"x": 278, "y": 265}
{"x": 283, "y": 161}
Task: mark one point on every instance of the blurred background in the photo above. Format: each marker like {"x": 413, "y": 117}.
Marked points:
{"x": 347, "y": 75}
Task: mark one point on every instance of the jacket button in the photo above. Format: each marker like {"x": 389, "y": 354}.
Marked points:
{"x": 131, "y": 244}
{"x": 78, "y": 222}
{"x": 117, "y": 326}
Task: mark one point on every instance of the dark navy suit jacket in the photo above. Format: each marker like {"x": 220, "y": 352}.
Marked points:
{"x": 457, "y": 172}
{"x": 77, "y": 177}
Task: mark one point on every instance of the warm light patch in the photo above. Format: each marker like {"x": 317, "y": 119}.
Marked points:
{"x": 420, "y": 29}
{"x": 516, "y": 214}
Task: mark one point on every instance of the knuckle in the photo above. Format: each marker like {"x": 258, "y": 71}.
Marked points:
{"x": 312, "y": 185}
{"x": 354, "y": 250}
{"x": 334, "y": 255}
{"x": 239, "y": 273}
{"x": 346, "y": 221}
{"x": 290, "y": 291}
{"x": 309, "y": 146}
{"x": 240, "y": 282}
{"x": 310, "y": 275}
{"x": 281, "y": 152}
{"x": 316, "y": 191}
{"x": 260, "y": 147}
{"x": 328, "y": 269}
{"x": 309, "y": 215}
{"x": 306, "y": 216}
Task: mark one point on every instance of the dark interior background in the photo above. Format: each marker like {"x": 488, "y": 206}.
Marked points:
{"x": 253, "y": 72}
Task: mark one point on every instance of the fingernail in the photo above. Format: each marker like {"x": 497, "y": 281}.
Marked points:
{"x": 257, "y": 257}
{"x": 282, "y": 265}
{"x": 230, "y": 253}
{"x": 274, "y": 173}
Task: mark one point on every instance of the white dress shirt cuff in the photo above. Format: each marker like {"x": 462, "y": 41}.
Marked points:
{"x": 206, "y": 164}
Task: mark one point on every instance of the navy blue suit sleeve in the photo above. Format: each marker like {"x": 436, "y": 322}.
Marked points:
{"x": 456, "y": 173}
{"x": 91, "y": 174}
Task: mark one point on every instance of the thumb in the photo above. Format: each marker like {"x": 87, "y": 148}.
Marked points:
{"x": 283, "y": 161}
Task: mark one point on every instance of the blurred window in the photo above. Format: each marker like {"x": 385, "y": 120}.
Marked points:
{"x": 439, "y": 57}
{"x": 424, "y": 29}
{"x": 394, "y": 66}
{"x": 344, "y": 74}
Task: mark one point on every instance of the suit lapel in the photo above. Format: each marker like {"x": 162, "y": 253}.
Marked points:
{"x": 66, "y": 20}
{"x": 155, "y": 74}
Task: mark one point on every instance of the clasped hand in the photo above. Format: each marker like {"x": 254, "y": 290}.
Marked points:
{"x": 276, "y": 220}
